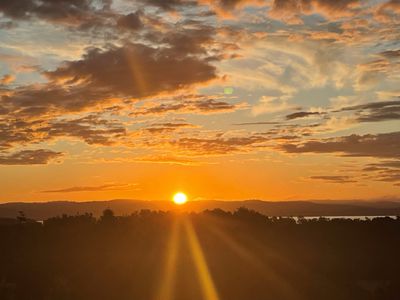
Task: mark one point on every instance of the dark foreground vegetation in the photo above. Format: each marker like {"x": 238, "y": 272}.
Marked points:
{"x": 210, "y": 255}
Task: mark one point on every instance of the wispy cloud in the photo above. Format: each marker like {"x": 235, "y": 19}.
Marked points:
{"x": 98, "y": 188}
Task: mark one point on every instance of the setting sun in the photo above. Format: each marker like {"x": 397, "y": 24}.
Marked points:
{"x": 179, "y": 198}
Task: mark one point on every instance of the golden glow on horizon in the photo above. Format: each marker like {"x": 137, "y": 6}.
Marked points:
{"x": 179, "y": 198}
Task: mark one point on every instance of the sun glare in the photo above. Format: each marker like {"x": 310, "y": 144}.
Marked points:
{"x": 179, "y": 198}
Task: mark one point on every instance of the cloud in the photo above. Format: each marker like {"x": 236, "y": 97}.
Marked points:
{"x": 290, "y": 11}
{"x": 7, "y": 79}
{"x": 167, "y": 159}
{"x": 157, "y": 128}
{"x": 218, "y": 145}
{"x": 334, "y": 178}
{"x": 271, "y": 104}
{"x": 203, "y": 105}
{"x": 13, "y": 132}
{"x": 225, "y": 7}
{"x": 388, "y": 12}
{"x": 386, "y": 67}
{"x": 68, "y": 12}
{"x": 99, "y": 188}
{"x": 193, "y": 40}
{"x": 384, "y": 145}
{"x": 131, "y": 21}
{"x": 222, "y": 7}
{"x": 136, "y": 71}
{"x": 169, "y": 5}
{"x": 301, "y": 114}
{"x": 256, "y": 123}
{"x": 376, "y": 111}
{"x": 387, "y": 171}
{"x": 391, "y": 54}
{"x": 50, "y": 99}
{"x": 30, "y": 157}
{"x": 91, "y": 129}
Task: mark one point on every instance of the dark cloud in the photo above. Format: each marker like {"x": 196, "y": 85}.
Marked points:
{"x": 169, "y": 4}
{"x": 391, "y": 54}
{"x": 168, "y": 127}
{"x": 16, "y": 132}
{"x": 219, "y": 5}
{"x": 334, "y": 178}
{"x": 72, "y": 12}
{"x": 376, "y": 111}
{"x": 385, "y": 145}
{"x": 211, "y": 105}
{"x": 389, "y": 176}
{"x": 387, "y": 171}
{"x": 195, "y": 40}
{"x": 135, "y": 70}
{"x": 39, "y": 100}
{"x": 202, "y": 106}
{"x": 257, "y": 123}
{"x": 29, "y": 157}
{"x": 301, "y": 114}
{"x": 91, "y": 129}
{"x": 287, "y": 137}
{"x": 131, "y": 21}
{"x": 232, "y": 4}
{"x": 387, "y": 164}
{"x": 99, "y": 188}
{"x": 102, "y": 76}
{"x": 291, "y": 131}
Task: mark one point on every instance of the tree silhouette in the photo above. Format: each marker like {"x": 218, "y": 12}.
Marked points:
{"x": 248, "y": 256}
{"x": 107, "y": 216}
{"x": 21, "y": 218}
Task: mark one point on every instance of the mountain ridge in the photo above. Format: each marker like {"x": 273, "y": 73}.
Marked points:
{"x": 44, "y": 210}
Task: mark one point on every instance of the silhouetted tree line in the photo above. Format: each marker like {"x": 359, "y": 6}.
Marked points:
{"x": 249, "y": 256}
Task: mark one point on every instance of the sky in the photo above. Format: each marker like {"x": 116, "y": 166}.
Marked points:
{"x": 225, "y": 99}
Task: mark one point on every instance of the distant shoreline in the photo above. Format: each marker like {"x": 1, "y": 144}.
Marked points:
{"x": 310, "y": 209}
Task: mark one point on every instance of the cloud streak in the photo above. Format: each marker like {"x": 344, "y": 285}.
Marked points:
{"x": 334, "y": 178}
{"x": 98, "y": 188}
{"x": 385, "y": 145}
{"x": 30, "y": 157}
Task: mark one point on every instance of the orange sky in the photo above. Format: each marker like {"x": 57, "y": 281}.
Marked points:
{"x": 220, "y": 99}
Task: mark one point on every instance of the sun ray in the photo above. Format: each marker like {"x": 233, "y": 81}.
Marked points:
{"x": 207, "y": 284}
{"x": 135, "y": 66}
{"x": 255, "y": 262}
{"x": 166, "y": 291}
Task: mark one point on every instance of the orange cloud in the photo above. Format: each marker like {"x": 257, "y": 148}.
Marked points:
{"x": 290, "y": 11}
{"x": 29, "y": 157}
{"x": 7, "y": 79}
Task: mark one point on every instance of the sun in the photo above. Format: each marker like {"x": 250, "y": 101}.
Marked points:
{"x": 179, "y": 198}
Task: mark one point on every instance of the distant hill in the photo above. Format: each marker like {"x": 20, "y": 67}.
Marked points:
{"x": 41, "y": 211}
